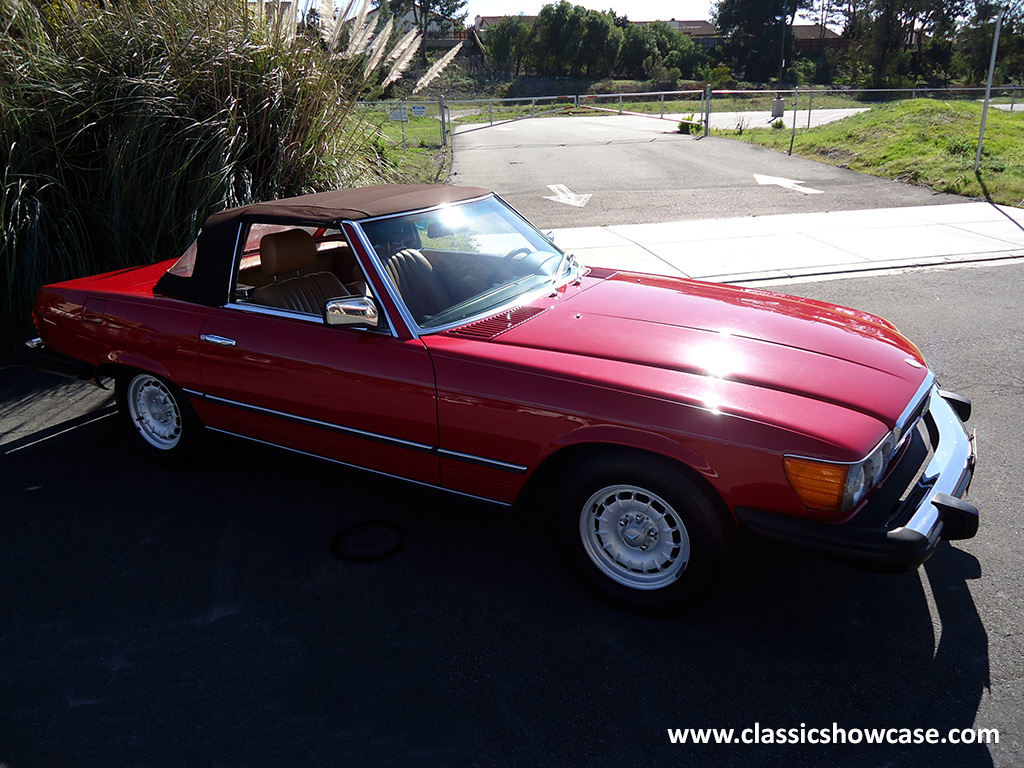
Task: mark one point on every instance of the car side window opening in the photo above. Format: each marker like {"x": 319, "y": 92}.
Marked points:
{"x": 296, "y": 269}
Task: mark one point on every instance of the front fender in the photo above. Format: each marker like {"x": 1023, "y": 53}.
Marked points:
{"x": 629, "y": 437}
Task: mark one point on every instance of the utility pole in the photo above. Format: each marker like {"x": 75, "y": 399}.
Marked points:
{"x": 782, "y": 53}
{"x": 988, "y": 89}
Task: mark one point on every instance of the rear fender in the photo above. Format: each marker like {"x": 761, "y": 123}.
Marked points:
{"x": 119, "y": 360}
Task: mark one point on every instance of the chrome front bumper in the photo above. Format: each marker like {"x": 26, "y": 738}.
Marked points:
{"x": 943, "y": 514}
{"x": 898, "y": 535}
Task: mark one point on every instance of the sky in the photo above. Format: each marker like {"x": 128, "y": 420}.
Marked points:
{"x": 634, "y": 10}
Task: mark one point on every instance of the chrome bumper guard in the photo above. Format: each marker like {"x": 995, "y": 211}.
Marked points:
{"x": 939, "y": 512}
{"x": 943, "y": 514}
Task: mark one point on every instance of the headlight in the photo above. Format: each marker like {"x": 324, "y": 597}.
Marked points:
{"x": 835, "y": 487}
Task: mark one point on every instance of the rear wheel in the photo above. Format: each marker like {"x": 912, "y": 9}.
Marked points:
{"x": 643, "y": 531}
{"x": 158, "y": 415}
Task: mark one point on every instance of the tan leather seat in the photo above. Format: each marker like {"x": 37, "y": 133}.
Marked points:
{"x": 282, "y": 253}
{"x": 420, "y": 287}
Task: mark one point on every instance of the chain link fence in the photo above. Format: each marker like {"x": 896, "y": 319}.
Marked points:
{"x": 410, "y": 123}
{"x": 809, "y": 107}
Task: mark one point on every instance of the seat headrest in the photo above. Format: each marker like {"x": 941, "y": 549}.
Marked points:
{"x": 287, "y": 251}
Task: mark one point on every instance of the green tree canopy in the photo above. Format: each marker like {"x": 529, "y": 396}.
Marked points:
{"x": 757, "y": 33}
{"x": 509, "y": 44}
{"x": 659, "y": 44}
{"x": 573, "y": 40}
{"x": 444, "y": 14}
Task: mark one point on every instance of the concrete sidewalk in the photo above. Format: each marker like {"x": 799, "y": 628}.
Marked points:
{"x": 805, "y": 245}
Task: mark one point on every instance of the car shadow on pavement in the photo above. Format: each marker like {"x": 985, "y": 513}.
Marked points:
{"x": 198, "y": 617}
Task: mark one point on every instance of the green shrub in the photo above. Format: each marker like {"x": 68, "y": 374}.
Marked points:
{"x": 721, "y": 77}
{"x": 686, "y": 126}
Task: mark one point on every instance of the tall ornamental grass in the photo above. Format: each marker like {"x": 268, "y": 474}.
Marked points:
{"x": 122, "y": 125}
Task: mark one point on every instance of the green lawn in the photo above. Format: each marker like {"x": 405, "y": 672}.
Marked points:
{"x": 423, "y": 159}
{"x": 922, "y": 141}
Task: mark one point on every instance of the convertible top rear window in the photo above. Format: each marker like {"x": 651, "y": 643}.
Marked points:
{"x": 185, "y": 266}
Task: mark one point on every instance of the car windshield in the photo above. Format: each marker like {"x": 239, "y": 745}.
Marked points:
{"x": 464, "y": 260}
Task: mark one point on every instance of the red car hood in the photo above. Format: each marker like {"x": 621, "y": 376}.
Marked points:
{"x": 811, "y": 349}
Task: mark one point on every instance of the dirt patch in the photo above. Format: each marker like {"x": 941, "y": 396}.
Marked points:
{"x": 836, "y": 156}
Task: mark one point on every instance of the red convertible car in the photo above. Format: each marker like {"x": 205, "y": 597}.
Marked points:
{"x": 433, "y": 334}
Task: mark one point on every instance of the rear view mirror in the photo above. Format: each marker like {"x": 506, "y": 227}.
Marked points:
{"x": 437, "y": 229}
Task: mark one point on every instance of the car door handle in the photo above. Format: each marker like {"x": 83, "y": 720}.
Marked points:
{"x": 220, "y": 341}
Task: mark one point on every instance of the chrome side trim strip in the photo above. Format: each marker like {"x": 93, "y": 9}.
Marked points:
{"x": 353, "y": 432}
{"x": 263, "y": 309}
{"x": 305, "y": 317}
{"x": 364, "y": 469}
{"x": 350, "y": 431}
{"x": 471, "y": 459}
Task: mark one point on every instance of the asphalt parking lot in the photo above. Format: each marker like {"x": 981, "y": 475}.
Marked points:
{"x": 198, "y": 617}
{"x": 201, "y": 617}
{"x": 639, "y": 170}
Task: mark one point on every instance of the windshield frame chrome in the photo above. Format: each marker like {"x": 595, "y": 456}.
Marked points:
{"x": 557, "y": 281}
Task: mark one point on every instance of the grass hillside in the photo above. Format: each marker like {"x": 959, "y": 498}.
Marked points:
{"x": 921, "y": 141}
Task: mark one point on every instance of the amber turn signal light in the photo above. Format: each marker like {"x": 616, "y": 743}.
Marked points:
{"x": 818, "y": 485}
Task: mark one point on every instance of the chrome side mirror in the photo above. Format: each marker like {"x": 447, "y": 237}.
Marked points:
{"x": 352, "y": 311}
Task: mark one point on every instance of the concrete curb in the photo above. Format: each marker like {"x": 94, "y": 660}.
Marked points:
{"x": 806, "y": 246}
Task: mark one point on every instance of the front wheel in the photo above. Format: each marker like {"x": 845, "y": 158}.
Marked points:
{"x": 158, "y": 416}
{"x": 643, "y": 531}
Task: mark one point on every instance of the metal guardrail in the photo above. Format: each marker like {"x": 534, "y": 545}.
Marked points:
{"x": 702, "y": 109}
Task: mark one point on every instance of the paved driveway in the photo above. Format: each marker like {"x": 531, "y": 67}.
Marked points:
{"x": 639, "y": 170}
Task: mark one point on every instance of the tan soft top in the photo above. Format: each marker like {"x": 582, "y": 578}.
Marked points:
{"x": 212, "y": 280}
{"x": 358, "y": 203}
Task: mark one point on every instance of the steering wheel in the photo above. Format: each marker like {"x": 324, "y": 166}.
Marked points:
{"x": 506, "y": 259}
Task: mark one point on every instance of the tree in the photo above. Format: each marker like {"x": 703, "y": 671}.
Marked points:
{"x": 444, "y": 14}
{"x": 559, "y": 35}
{"x": 638, "y": 45}
{"x": 647, "y": 47}
{"x": 573, "y": 40}
{"x": 757, "y": 33}
{"x": 973, "y": 43}
{"x": 509, "y": 43}
{"x": 599, "y": 49}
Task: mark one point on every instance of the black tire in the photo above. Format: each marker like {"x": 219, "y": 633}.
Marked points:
{"x": 643, "y": 531}
{"x": 158, "y": 416}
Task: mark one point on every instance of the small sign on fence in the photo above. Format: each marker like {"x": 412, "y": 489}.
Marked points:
{"x": 419, "y": 110}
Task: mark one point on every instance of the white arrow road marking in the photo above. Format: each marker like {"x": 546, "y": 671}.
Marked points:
{"x": 564, "y": 195}
{"x": 792, "y": 184}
